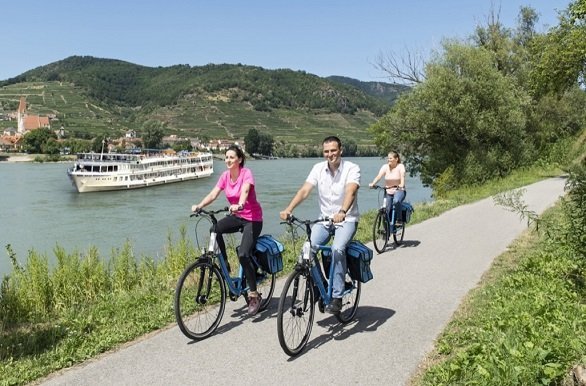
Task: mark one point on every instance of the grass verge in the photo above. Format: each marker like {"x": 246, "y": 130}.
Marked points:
{"x": 524, "y": 324}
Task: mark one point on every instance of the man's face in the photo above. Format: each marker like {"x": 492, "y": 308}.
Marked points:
{"x": 332, "y": 153}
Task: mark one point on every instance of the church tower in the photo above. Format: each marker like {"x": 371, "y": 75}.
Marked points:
{"x": 21, "y": 114}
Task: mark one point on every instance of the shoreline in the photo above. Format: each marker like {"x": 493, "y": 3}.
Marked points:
{"x": 17, "y": 158}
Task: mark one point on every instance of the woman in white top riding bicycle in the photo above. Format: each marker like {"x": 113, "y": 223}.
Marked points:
{"x": 394, "y": 174}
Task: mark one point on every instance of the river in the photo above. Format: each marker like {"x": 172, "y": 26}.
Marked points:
{"x": 41, "y": 209}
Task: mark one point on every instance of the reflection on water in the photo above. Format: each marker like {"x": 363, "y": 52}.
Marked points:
{"x": 41, "y": 209}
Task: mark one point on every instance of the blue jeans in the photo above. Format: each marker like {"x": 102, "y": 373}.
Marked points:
{"x": 395, "y": 200}
{"x": 343, "y": 233}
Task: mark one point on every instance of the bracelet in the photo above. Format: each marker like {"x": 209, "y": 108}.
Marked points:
{"x": 240, "y": 206}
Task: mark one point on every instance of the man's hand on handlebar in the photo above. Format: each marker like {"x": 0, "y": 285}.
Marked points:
{"x": 284, "y": 215}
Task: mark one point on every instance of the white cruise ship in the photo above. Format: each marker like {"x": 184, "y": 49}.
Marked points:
{"x": 96, "y": 172}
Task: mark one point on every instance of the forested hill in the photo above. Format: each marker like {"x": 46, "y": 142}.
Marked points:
{"x": 92, "y": 96}
{"x": 127, "y": 84}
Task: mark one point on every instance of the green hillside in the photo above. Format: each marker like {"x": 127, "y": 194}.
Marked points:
{"x": 92, "y": 96}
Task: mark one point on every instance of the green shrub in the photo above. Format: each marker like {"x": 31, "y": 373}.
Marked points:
{"x": 575, "y": 210}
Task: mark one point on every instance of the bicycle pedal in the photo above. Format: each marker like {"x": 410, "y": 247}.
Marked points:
{"x": 233, "y": 296}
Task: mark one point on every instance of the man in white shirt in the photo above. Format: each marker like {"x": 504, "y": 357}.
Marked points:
{"x": 337, "y": 183}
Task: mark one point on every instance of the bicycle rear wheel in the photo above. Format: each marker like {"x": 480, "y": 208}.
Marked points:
{"x": 200, "y": 300}
{"x": 296, "y": 312}
{"x": 380, "y": 231}
{"x": 350, "y": 300}
{"x": 265, "y": 286}
{"x": 399, "y": 233}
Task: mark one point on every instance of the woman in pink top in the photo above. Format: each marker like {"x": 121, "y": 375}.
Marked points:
{"x": 238, "y": 184}
{"x": 394, "y": 173}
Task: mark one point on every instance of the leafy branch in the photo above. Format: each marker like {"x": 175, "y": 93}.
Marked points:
{"x": 513, "y": 202}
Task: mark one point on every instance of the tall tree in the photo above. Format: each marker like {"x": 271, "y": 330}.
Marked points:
{"x": 35, "y": 140}
{"x": 252, "y": 141}
{"x": 466, "y": 120}
{"x": 265, "y": 144}
{"x": 153, "y": 134}
{"x": 560, "y": 55}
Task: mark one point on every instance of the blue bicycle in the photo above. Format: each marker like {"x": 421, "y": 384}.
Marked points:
{"x": 382, "y": 227}
{"x": 307, "y": 286}
{"x": 200, "y": 295}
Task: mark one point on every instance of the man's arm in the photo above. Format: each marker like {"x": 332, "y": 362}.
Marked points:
{"x": 350, "y": 193}
{"x": 299, "y": 197}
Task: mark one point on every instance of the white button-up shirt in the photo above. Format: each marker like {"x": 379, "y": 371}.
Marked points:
{"x": 331, "y": 187}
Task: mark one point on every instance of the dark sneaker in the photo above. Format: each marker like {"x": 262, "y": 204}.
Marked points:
{"x": 335, "y": 306}
{"x": 253, "y": 304}
{"x": 320, "y": 305}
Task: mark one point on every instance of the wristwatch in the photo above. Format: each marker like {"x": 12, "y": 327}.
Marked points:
{"x": 343, "y": 211}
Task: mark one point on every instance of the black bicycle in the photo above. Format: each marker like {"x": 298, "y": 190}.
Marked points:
{"x": 305, "y": 287}
{"x": 382, "y": 228}
{"x": 200, "y": 296}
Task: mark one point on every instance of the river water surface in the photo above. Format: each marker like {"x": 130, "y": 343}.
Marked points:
{"x": 41, "y": 209}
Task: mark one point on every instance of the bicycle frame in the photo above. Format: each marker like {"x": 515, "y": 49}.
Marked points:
{"x": 234, "y": 283}
{"x": 389, "y": 215}
{"x": 310, "y": 261}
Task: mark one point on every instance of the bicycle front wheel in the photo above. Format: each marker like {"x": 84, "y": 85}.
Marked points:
{"x": 350, "y": 300}
{"x": 296, "y": 312}
{"x": 380, "y": 231}
{"x": 200, "y": 300}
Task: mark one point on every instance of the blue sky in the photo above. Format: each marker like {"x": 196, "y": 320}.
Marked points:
{"x": 328, "y": 37}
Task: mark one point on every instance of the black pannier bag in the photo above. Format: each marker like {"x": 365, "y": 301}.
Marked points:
{"x": 268, "y": 254}
{"x": 358, "y": 257}
{"x": 406, "y": 211}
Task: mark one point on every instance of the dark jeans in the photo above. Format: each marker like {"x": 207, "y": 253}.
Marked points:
{"x": 395, "y": 200}
{"x": 250, "y": 232}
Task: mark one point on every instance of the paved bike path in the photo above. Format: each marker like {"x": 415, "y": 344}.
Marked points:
{"x": 415, "y": 291}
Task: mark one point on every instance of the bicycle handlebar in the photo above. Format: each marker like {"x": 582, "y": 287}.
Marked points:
{"x": 384, "y": 187}
{"x": 210, "y": 213}
{"x": 294, "y": 220}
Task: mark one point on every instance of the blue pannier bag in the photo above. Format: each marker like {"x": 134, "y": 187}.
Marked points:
{"x": 358, "y": 257}
{"x": 406, "y": 211}
{"x": 269, "y": 254}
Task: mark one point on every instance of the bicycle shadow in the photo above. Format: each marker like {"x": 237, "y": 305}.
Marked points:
{"x": 404, "y": 244}
{"x": 368, "y": 319}
{"x": 239, "y": 315}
